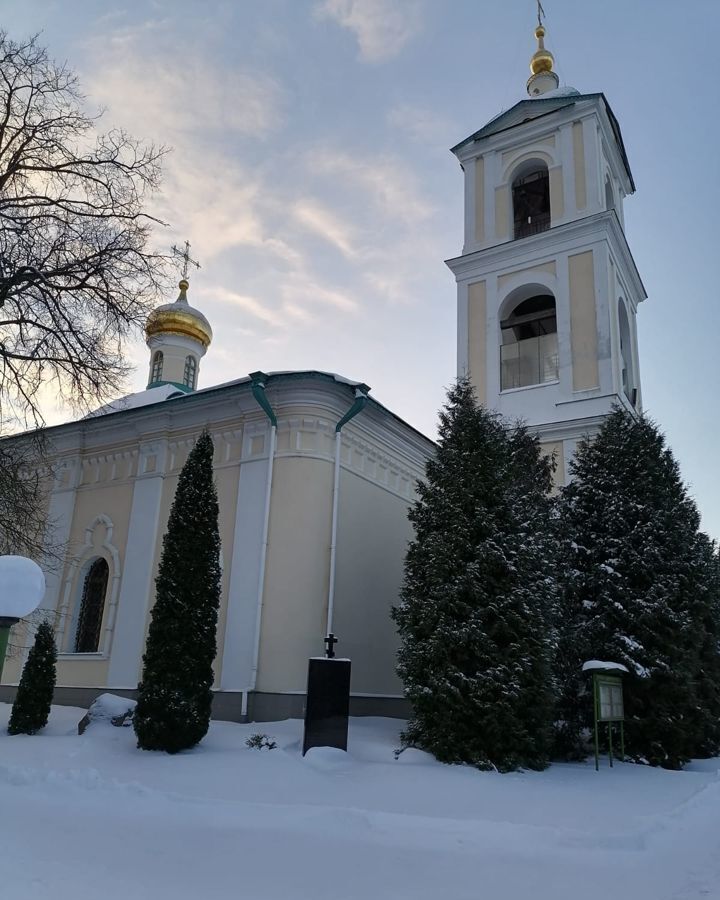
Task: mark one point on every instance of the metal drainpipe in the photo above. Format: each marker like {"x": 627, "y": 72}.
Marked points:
{"x": 361, "y": 399}
{"x": 258, "y": 390}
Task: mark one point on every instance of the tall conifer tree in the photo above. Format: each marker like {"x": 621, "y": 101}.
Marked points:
{"x": 474, "y": 642}
{"x": 174, "y": 697}
{"x": 638, "y": 587}
{"x": 33, "y": 700}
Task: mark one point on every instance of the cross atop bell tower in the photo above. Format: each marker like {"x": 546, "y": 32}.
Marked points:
{"x": 542, "y": 78}
{"x": 547, "y": 287}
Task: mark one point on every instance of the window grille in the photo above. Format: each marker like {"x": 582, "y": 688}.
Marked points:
{"x": 92, "y": 605}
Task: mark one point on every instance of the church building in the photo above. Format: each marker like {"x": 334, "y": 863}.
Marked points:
{"x": 314, "y": 475}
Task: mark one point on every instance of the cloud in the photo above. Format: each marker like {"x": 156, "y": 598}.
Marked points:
{"x": 326, "y": 225}
{"x": 144, "y": 85}
{"x": 246, "y": 303}
{"x": 382, "y": 27}
{"x": 299, "y": 292}
{"x": 420, "y": 124}
{"x": 384, "y": 180}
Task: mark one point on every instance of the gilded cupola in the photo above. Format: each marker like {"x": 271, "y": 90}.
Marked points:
{"x": 178, "y": 336}
{"x": 543, "y": 78}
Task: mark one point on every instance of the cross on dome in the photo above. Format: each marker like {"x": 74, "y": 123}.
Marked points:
{"x": 543, "y": 79}
{"x": 187, "y": 260}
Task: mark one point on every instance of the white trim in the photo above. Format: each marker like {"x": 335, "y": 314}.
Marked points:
{"x": 333, "y": 534}
{"x": 529, "y": 387}
{"x": 263, "y": 558}
{"x": 142, "y": 539}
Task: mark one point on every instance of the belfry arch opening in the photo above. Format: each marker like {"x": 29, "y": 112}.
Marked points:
{"x": 627, "y": 376}
{"x": 529, "y": 350}
{"x": 531, "y": 199}
{"x": 609, "y": 194}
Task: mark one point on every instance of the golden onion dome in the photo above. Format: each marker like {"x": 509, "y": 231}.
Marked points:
{"x": 542, "y": 60}
{"x": 180, "y": 318}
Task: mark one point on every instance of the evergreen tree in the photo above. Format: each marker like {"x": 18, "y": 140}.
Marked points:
{"x": 472, "y": 618}
{"x": 637, "y": 588}
{"x": 33, "y": 700}
{"x": 174, "y": 697}
{"x": 706, "y": 618}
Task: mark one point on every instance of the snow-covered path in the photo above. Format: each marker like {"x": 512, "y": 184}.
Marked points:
{"x": 92, "y": 816}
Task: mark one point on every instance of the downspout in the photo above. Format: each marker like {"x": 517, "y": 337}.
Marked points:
{"x": 258, "y": 380}
{"x": 361, "y": 399}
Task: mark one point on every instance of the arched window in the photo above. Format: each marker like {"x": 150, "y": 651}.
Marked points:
{"x": 626, "y": 364}
{"x": 157, "y": 367}
{"x": 92, "y": 605}
{"x": 190, "y": 372}
{"x": 529, "y": 352}
{"x": 531, "y": 201}
{"x": 609, "y": 194}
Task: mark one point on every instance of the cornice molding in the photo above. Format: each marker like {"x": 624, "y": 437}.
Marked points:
{"x": 572, "y": 237}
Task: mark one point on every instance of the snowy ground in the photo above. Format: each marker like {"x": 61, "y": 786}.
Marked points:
{"x": 88, "y": 817}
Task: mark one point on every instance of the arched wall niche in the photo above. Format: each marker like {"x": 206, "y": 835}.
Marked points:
{"x": 98, "y": 545}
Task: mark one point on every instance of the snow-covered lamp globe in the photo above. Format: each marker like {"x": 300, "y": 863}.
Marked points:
{"x": 22, "y": 587}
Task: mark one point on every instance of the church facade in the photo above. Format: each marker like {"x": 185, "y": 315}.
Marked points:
{"x": 314, "y": 476}
{"x": 314, "y": 480}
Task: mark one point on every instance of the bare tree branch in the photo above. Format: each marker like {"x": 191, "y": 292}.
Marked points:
{"x": 77, "y": 274}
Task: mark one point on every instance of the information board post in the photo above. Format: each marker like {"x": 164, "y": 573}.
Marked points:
{"x": 609, "y": 708}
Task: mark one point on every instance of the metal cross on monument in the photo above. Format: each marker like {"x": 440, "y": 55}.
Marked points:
{"x": 541, "y": 13}
{"x": 330, "y": 642}
{"x": 187, "y": 260}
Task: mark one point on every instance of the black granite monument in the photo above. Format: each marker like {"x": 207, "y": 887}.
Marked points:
{"x": 327, "y": 705}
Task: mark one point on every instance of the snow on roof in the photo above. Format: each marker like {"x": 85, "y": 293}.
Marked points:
{"x": 565, "y": 91}
{"x": 135, "y": 401}
{"x": 594, "y": 665}
{"x": 170, "y": 391}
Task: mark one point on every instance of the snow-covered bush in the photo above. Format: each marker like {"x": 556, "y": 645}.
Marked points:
{"x": 31, "y": 708}
{"x": 260, "y": 742}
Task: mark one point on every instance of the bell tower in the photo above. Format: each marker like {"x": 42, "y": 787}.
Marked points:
{"x": 547, "y": 287}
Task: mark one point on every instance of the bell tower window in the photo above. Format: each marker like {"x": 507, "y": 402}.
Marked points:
{"x": 529, "y": 351}
{"x": 609, "y": 194}
{"x": 190, "y": 374}
{"x": 531, "y": 201}
{"x": 157, "y": 367}
{"x": 626, "y": 364}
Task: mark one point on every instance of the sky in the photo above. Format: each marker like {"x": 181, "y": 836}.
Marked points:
{"x": 310, "y": 170}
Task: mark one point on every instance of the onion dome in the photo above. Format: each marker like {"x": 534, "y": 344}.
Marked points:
{"x": 179, "y": 318}
{"x": 542, "y": 79}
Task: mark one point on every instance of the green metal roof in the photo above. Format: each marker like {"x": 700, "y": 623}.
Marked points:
{"x": 543, "y": 106}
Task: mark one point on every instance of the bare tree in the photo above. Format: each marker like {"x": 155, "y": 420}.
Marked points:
{"x": 25, "y": 478}
{"x": 76, "y": 270}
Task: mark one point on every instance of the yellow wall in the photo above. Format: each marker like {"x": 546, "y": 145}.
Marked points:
{"x": 583, "y": 324}
{"x": 527, "y": 150}
{"x": 548, "y": 267}
{"x": 555, "y": 448}
{"x": 479, "y": 199}
{"x": 477, "y": 338}
{"x": 296, "y": 581}
{"x": 579, "y": 155}
{"x": 373, "y": 534}
{"x": 502, "y": 208}
{"x": 557, "y": 197}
